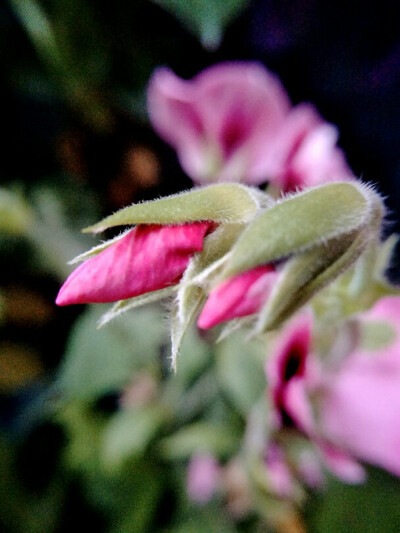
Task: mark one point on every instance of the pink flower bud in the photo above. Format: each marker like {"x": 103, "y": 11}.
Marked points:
{"x": 239, "y": 296}
{"x": 148, "y": 258}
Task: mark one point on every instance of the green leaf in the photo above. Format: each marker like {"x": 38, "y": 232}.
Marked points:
{"x": 130, "y": 432}
{"x": 240, "y": 370}
{"x": 301, "y": 222}
{"x": 369, "y": 508}
{"x": 204, "y": 18}
{"x": 201, "y": 437}
{"x": 38, "y": 27}
{"x": 99, "y": 361}
{"x": 15, "y": 215}
{"x": 223, "y": 203}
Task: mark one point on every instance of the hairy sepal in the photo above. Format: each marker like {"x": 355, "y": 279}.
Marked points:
{"x": 97, "y": 249}
{"x": 221, "y": 203}
{"x": 302, "y": 222}
{"x": 191, "y": 296}
{"x": 307, "y": 273}
{"x": 131, "y": 303}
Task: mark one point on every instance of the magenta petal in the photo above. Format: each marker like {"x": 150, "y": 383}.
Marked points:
{"x": 239, "y": 296}
{"x": 289, "y": 371}
{"x": 148, "y": 258}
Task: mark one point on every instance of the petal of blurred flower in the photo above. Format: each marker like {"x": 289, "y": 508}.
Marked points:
{"x": 357, "y": 402}
{"x": 202, "y": 478}
{"x": 309, "y": 155}
{"x": 286, "y": 373}
{"x": 148, "y": 258}
{"x": 360, "y": 407}
{"x": 279, "y": 475}
{"x": 239, "y": 296}
{"x": 223, "y": 123}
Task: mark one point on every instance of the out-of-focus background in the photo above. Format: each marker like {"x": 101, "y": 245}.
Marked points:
{"x": 93, "y": 425}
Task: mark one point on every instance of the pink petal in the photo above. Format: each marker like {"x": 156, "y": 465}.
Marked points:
{"x": 239, "y": 296}
{"x": 360, "y": 410}
{"x": 223, "y": 122}
{"x": 309, "y": 152}
{"x": 279, "y": 475}
{"x": 202, "y": 478}
{"x": 360, "y": 406}
{"x": 148, "y": 258}
{"x": 342, "y": 464}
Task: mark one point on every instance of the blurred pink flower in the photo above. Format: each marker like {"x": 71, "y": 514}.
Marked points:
{"x": 309, "y": 155}
{"x": 280, "y": 478}
{"x": 357, "y": 405}
{"x": 147, "y": 258}
{"x": 202, "y": 478}
{"x": 360, "y": 408}
{"x": 234, "y": 122}
{"x": 238, "y": 296}
{"x": 288, "y": 374}
{"x": 223, "y": 123}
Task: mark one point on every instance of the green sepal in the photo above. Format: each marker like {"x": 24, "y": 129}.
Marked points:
{"x": 300, "y": 222}
{"x": 307, "y": 273}
{"x": 185, "y": 310}
{"x": 96, "y": 250}
{"x": 223, "y": 203}
{"x": 191, "y": 295}
{"x": 137, "y": 301}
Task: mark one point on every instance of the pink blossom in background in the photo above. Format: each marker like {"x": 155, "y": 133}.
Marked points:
{"x": 234, "y": 122}
{"x": 280, "y": 478}
{"x": 239, "y": 296}
{"x": 202, "y": 478}
{"x": 357, "y": 405}
{"x": 360, "y": 408}
{"x": 223, "y": 122}
{"x": 309, "y": 155}
{"x": 148, "y": 258}
{"x": 288, "y": 374}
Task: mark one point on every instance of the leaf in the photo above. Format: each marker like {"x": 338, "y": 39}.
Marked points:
{"x": 15, "y": 215}
{"x": 38, "y": 27}
{"x": 368, "y": 508}
{"x": 301, "y": 222}
{"x": 201, "y": 437}
{"x": 240, "y": 370}
{"x": 205, "y": 19}
{"x": 130, "y": 432}
{"x": 223, "y": 203}
{"x": 100, "y": 361}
